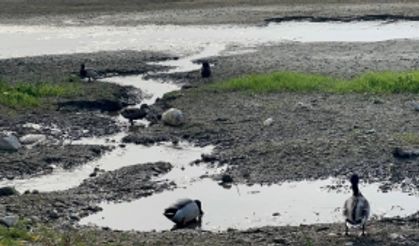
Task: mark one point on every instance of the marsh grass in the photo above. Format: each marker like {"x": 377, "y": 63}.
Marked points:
{"x": 374, "y": 82}
{"x": 24, "y": 95}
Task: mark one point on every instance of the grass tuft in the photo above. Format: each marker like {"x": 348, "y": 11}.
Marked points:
{"x": 24, "y": 95}
{"x": 374, "y": 82}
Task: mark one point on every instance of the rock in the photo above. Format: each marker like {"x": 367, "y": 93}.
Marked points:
{"x": 32, "y": 139}
{"x": 8, "y": 191}
{"x": 349, "y": 244}
{"x": 35, "y": 219}
{"x": 276, "y": 214}
{"x": 9, "y": 143}
{"x": 405, "y": 153}
{"x": 395, "y": 236}
{"x": 414, "y": 105}
{"x": 268, "y": 122}
{"x": 370, "y": 131}
{"x": 53, "y": 214}
{"x": 303, "y": 106}
{"x": 9, "y": 220}
{"x": 173, "y": 117}
{"x": 208, "y": 158}
{"x": 280, "y": 241}
{"x": 226, "y": 179}
{"x": 74, "y": 217}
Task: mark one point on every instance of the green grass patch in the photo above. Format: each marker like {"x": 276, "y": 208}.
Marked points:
{"x": 23, "y": 95}
{"x": 375, "y": 82}
{"x": 17, "y": 235}
{"x": 409, "y": 138}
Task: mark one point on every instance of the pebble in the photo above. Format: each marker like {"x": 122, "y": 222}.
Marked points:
{"x": 268, "y": 122}
{"x": 9, "y": 220}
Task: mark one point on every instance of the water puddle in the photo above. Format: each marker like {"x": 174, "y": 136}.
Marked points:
{"x": 243, "y": 207}
{"x": 180, "y": 156}
{"x": 20, "y": 41}
{"x": 152, "y": 89}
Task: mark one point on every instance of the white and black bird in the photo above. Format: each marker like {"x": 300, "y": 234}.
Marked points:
{"x": 184, "y": 212}
{"x": 88, "y": 73}
{"x": 356, "y": 209}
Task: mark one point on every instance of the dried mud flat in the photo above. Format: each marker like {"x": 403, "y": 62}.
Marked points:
{"x": 313, "y": 135}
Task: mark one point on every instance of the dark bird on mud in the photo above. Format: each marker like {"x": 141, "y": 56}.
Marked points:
{"x": 356, "y": 209}
{"x": 88, "y": 73}
{"x": 206, "y": 70}
{"x": 135, "y": 113}
{"x": 184, "y": 212}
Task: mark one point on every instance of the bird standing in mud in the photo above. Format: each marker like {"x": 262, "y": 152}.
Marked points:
{"x": 356, "y": 209}
{"x": 88, "y": 73}
{"x": 184, "y": 212}
{"x": 205, "y": 70}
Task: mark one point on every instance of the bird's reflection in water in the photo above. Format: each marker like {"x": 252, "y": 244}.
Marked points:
{"x": 193, "y": 225}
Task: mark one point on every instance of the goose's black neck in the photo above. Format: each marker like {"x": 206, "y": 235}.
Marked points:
{"x": 354, "y": 181}
{"x": 355, "y": 189}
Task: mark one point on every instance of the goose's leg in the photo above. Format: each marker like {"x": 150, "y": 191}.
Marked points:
{"x": 346, "y": 229}
{"x": 363, "y": 229}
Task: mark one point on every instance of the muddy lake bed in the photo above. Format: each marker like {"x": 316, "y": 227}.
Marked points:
{"x": 290, "y": 174}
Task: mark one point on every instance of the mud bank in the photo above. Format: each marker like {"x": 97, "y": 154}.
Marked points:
{"x": 59, "y": 12}
{"x": 65, "y": 68}
{"x": 313, "y": 135}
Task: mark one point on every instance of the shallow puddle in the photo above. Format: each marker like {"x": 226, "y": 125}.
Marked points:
{"x": 151, "y": 88}
{"x": 19, "y": 41}
{"x": 242, "y": 206}
{"x": 179, "y": 156}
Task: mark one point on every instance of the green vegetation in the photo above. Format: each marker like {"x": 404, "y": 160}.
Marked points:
{"x": 16, "y": 235}
{"x": 22, "y": 95}
{"x": 376, "y": 82}
{"x": 408, "y": 138}
{"x": 20, "y": 235}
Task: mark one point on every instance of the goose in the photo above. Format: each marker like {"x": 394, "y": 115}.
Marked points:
{"x": 356, "y": 209}
{"x": 88, "y": 73}
{"x": 205, "y": 70}
{"x": 184, "y": 211}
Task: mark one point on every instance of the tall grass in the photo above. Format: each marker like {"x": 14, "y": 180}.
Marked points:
{"x": 32, "y": 94}
{"x": 376, "y": 82}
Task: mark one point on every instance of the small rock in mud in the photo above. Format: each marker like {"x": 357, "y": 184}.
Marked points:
{"x": 173, "y": 117}
{"x": 32, "y": 139}
{"x": 405, "y": 153}
{"x": 208, "y": 158}
{"x": 414, "y": 105}
{"x": 53, "y": 214}
{"x": 268, "y": 122}
{"x": 9, "y": 143}
{"x": 370, "y": 131}
{"x": 303, "y": 106}
{"x": 226, "y": 179}
{"x": 9, "y": 220}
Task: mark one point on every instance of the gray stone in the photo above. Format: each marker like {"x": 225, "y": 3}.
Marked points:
{"x": 173, "y": 117}
{"x": 9, "y": 220}
{"x": 268, "y": 122}
{"x": 32, "y": 139}
{"x": 9, "y": 143}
